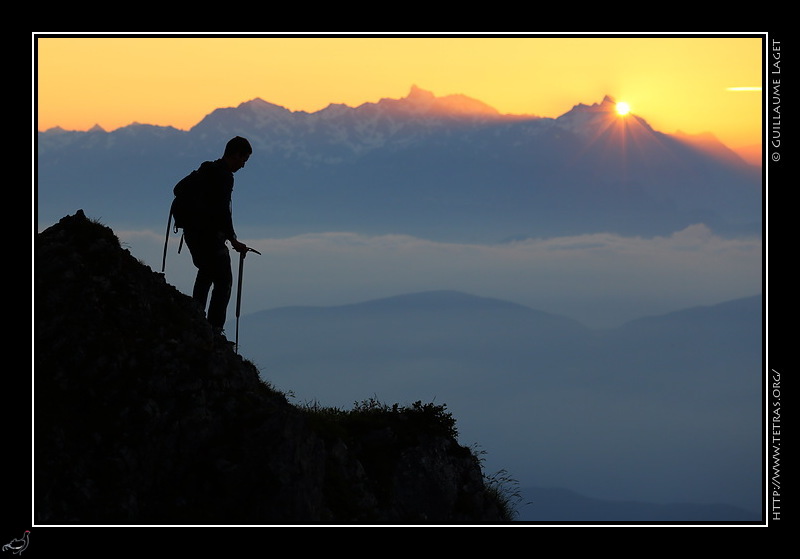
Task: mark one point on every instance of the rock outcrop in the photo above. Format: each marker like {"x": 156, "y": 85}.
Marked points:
{"x": 143, "y": 416}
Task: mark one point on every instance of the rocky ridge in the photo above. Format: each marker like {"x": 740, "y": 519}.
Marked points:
{"x": 143, "y": 416}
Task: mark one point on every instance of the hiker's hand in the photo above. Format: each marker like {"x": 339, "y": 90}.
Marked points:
{"x": 238, "y": 246}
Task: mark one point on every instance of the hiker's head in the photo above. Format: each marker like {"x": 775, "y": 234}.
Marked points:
{"x": 237, "y": 152}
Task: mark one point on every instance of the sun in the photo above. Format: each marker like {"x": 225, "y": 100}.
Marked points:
{"x": 623, "y": 108}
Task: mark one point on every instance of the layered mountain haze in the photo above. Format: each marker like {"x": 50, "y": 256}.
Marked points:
{"x": 609, "y": 413}
{"x": 583, "y": 292}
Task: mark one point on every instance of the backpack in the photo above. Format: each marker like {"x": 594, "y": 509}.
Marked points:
{"x": 189, "y": 207}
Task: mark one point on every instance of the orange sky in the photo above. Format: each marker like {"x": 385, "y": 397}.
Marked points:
{"x": 674, "y": 83}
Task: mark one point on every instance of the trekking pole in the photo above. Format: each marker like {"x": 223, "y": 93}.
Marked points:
{"x": 239, "y": 292}
{"x": 166, "y": 242}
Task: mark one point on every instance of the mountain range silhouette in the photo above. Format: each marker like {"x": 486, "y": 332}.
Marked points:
{"x": 431, "y": 167}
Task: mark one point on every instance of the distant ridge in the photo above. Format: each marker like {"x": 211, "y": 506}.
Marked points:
{"x": 441, "y": 306}
{"x": 562, "y": 505}
{"x": 744, "y": 307}
{"x": 437, "y": 300}
{"x": 422, "y": 102}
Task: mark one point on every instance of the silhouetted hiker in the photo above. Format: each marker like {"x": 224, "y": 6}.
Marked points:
{"x": 206, "y": 236}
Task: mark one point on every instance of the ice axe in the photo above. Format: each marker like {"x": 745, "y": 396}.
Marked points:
{"x": 242, "y": 254}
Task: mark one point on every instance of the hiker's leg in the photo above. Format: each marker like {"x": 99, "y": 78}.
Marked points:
{"x": 202, "y": 250}
{"x": 202, "y": 285}
{"x": 222, "y": 277}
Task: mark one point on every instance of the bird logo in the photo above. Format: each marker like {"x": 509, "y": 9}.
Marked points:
{"x": 17, "y": 546}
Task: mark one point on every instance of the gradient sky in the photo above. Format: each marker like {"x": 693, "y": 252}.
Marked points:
{"x": 676, "y": 84}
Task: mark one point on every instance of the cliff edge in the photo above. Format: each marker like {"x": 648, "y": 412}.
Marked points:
{"x": 143, "y": 416}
